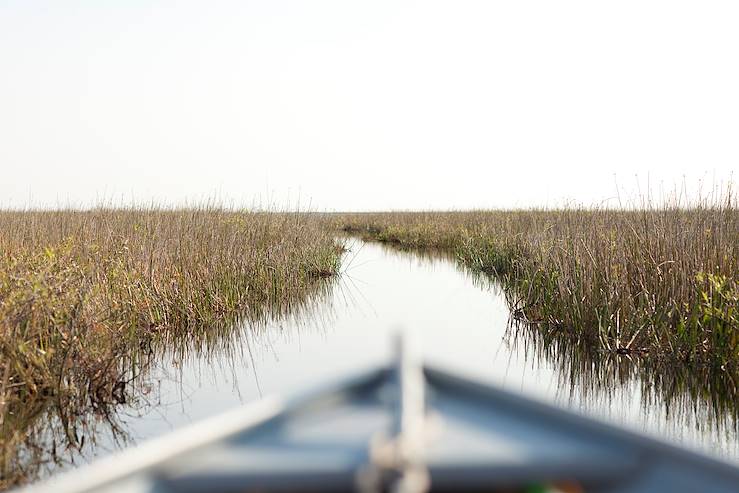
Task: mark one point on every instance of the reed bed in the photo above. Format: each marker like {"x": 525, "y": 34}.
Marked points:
{"x": 662, "y": 282}
{"x": 85, "y": 295}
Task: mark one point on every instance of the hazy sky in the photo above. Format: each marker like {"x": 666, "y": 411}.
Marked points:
{"x": 364, "y": 105}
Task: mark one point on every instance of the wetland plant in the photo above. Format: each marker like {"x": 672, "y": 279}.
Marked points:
{"x": 87, "y": 296}
{"x": 662, "y": 281}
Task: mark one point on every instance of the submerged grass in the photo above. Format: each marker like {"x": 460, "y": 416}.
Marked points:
{"x": 663, "y": 281}
{"x": 85, "y": 295}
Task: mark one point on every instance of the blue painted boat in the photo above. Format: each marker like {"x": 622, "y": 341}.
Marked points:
{"x": 408, "y": 428}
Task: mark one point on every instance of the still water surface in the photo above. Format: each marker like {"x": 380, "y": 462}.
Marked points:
{"x": 459, "y": 321}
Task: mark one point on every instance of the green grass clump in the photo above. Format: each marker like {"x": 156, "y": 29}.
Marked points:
{"x": 84, "y": 294}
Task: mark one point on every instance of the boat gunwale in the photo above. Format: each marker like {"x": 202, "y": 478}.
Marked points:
{"x": 652, "y": 447}
{"x": 143, "y": 459}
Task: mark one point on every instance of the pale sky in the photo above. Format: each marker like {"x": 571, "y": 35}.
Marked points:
{"x": 364, "y": 105}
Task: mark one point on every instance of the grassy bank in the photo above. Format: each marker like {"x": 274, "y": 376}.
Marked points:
{"x": 83, "y": 295}
{"x": 663, "y": 282}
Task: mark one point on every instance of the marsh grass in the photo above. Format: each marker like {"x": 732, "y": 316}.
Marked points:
{"x": 662, "y": 282}
{"x": 86, "y": 297}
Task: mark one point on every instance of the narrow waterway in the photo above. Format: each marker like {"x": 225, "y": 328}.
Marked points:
{"x": 459, "y": 321}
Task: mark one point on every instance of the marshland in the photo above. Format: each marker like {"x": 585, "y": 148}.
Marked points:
{"x": 87, "y": 296}
{"x": 207, "y": 203}
{"x": 657, "y": 281}
{"x": 107, "y": 315}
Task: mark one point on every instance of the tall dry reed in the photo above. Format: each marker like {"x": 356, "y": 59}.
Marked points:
{"x": 663, "y": 281}
{"x": 84, "y": 293}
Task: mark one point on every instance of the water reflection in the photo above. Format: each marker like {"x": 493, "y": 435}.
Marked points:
{"x": 462, "y": 322}
{"x": 695, "y": 405}
{"x": 47, "y": 436}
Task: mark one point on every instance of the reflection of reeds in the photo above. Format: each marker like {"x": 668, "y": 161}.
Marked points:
{"x": 85, "y": 296}
{"x": 658, "y": 280}
{"x": 689, "y": 396}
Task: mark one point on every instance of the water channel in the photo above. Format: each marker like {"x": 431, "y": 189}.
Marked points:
{"x": 460, "y": 322}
